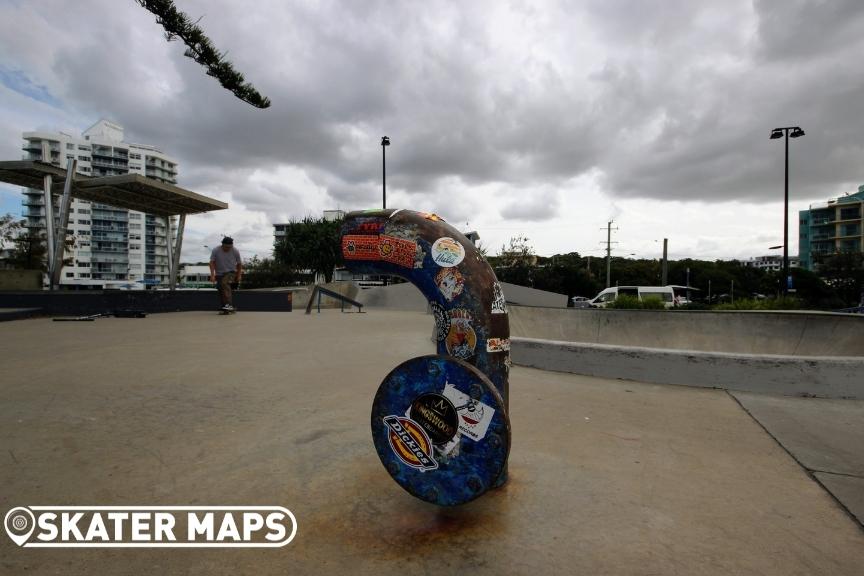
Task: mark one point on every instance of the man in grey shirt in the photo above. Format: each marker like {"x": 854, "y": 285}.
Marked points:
{"x": 226, "y": 270}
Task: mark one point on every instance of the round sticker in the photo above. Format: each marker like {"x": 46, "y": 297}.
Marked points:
{"x": 436, "y": 415}
{"x": 441, "y": 429}
{"x": 447, "y": 252}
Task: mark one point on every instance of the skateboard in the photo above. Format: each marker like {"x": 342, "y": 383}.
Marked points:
{"x": 226, "y": 312}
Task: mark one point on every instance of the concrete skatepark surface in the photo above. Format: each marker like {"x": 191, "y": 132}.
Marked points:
{"x": 824, "y": 436}
{"x": 606, "y": 477}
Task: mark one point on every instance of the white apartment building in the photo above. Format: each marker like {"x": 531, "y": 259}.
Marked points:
{"x": 114, "y": 248}
{"x": 772, "y": 262}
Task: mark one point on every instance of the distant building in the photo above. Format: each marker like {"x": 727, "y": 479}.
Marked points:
{"x": 333, "y": 215}
{"x": 195, "y": 276}
{"x": 772, "y": 262}
{"x": 114, "y": 248}
{"x": 328, "y": 215}
{"x": 831, "y": 227}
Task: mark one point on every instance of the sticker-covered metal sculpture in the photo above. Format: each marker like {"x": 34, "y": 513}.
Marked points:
{"x": 440, "y": 423}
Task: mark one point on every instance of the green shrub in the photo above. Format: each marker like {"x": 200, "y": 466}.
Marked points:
{"x": 653, "y": 303}
{"x": 783, "y": 303}
{"x": 628, "y": 302}
{"x": 694, "y": 306}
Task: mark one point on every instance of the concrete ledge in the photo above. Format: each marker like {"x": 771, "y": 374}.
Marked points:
{"x": 86, "y": 302}
{"x": 792, "y": 333}
{"x": 822, "y": 376}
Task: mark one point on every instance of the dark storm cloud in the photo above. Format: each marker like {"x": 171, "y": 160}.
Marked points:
{"x": 666, "y": 100}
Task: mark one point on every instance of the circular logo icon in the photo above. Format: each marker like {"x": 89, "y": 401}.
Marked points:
{"x": 410, "y": 443}
{"x": 437, "y": 416}
{"x": 19, "y": 524}
{"x": 442, "y": 321}
{"x": 447, "y": 252}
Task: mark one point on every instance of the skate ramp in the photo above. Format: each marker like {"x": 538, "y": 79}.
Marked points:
{"x": 406, "y": 297}
{"x": 735, "y": 332}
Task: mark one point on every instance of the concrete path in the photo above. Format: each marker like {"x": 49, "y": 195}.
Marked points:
{"x": 824, "y": 436}
{"x": 607, "y": 477}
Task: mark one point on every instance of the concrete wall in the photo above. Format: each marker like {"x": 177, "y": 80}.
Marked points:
{"x": 408, "y": 297}
{"x": 825, "y": 377}
{"x": 86, "y": 302}
{"x": 783, "y": 333}
{"x": 20, "y": 280}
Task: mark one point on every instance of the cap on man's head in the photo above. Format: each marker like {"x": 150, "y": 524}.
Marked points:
{"x": 227, "y": 240}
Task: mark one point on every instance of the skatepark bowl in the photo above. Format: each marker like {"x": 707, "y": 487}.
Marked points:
{"x": 622, "y": 466}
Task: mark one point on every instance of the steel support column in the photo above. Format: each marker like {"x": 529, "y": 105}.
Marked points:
{"x": 63, "y": 224}
{"x": 169, "y": 247}
{"x": 175, "y": 264}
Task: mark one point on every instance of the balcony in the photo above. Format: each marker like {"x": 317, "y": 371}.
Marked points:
{"x": 96, "y": 215}
{"x": 108, "y": 164}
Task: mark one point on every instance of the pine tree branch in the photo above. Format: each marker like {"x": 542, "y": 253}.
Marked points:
{"x": 200, "y": 49}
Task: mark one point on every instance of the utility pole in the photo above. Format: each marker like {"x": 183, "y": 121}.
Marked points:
{"x": 609, "y": 243}
{"x": 385, "y": 141}
{"x": 688, "y": 284}
{"x": 665, "y": 269}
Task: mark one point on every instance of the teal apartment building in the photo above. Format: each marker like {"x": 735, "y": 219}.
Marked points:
{"x": 831, "y": 227}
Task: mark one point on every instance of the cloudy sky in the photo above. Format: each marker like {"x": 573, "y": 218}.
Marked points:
{"x": 543, "y": 119}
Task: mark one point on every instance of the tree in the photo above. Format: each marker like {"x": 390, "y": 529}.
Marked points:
{"x": 200, "y": 49}
{"x": 30, "y": 251}
{"x": 845, "y": 273}
{"x": 266, "y": 273}
{"x": 515, "y": 262}
{"x": 10, "y": 229}
{"x": 310, "y": 245}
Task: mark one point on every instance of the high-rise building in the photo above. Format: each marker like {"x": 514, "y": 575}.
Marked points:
{"x": 831, "y": 227}
{"x": 113, "y": 247}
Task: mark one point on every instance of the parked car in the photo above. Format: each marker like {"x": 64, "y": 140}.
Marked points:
{"x": 580, "y": 302}
{"x": 664, "y": 293}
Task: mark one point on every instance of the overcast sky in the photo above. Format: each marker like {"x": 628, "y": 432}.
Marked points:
{"x": 544, "y": 119}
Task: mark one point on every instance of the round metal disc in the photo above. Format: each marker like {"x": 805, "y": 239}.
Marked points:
{"x": 440, "y": 429}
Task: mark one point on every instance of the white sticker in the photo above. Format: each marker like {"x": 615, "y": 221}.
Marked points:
{"x": 474, "y": 416}
{"x": 447, "y": 252}
{"x": 499, "y": 305}
{"x": 498, "y": 345}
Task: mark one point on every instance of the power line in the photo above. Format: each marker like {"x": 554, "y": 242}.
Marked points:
{"x": 609, "y": 243}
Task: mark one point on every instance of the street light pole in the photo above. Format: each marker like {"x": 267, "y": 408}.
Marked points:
{"x": 796, "y": 132}
{"x": 385, "y": 141}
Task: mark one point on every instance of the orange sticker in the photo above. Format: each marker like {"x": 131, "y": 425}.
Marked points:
{"x": 358, "y": 247}
{"x": 397, "y": 250}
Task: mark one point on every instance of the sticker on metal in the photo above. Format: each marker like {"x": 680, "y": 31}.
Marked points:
{"x": 461, "y": 339}
{"x": 450, "y": 283}
{"x": 447, "y": 252}
{"x": 360, "y": 247}
{"x": 440, "y": 429}
{"x": 397, "y": 250}
{"x": 499, "y": 305}
{"x": 442, "y": 321}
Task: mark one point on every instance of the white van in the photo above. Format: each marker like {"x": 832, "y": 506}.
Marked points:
{"x": 664, "y": 293}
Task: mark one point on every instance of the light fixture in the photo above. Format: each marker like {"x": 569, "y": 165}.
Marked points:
{"x": 796, "y": 133}
{"x": 385, "y": 141}
{"x": 776, "y": 134}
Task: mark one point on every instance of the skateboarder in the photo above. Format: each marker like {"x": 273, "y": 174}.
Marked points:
{"x": 226, "y": 270}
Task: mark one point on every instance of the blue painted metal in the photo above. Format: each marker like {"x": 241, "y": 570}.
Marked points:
{"x": 464, "y": 295}
{"x": 440, "y": 429}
